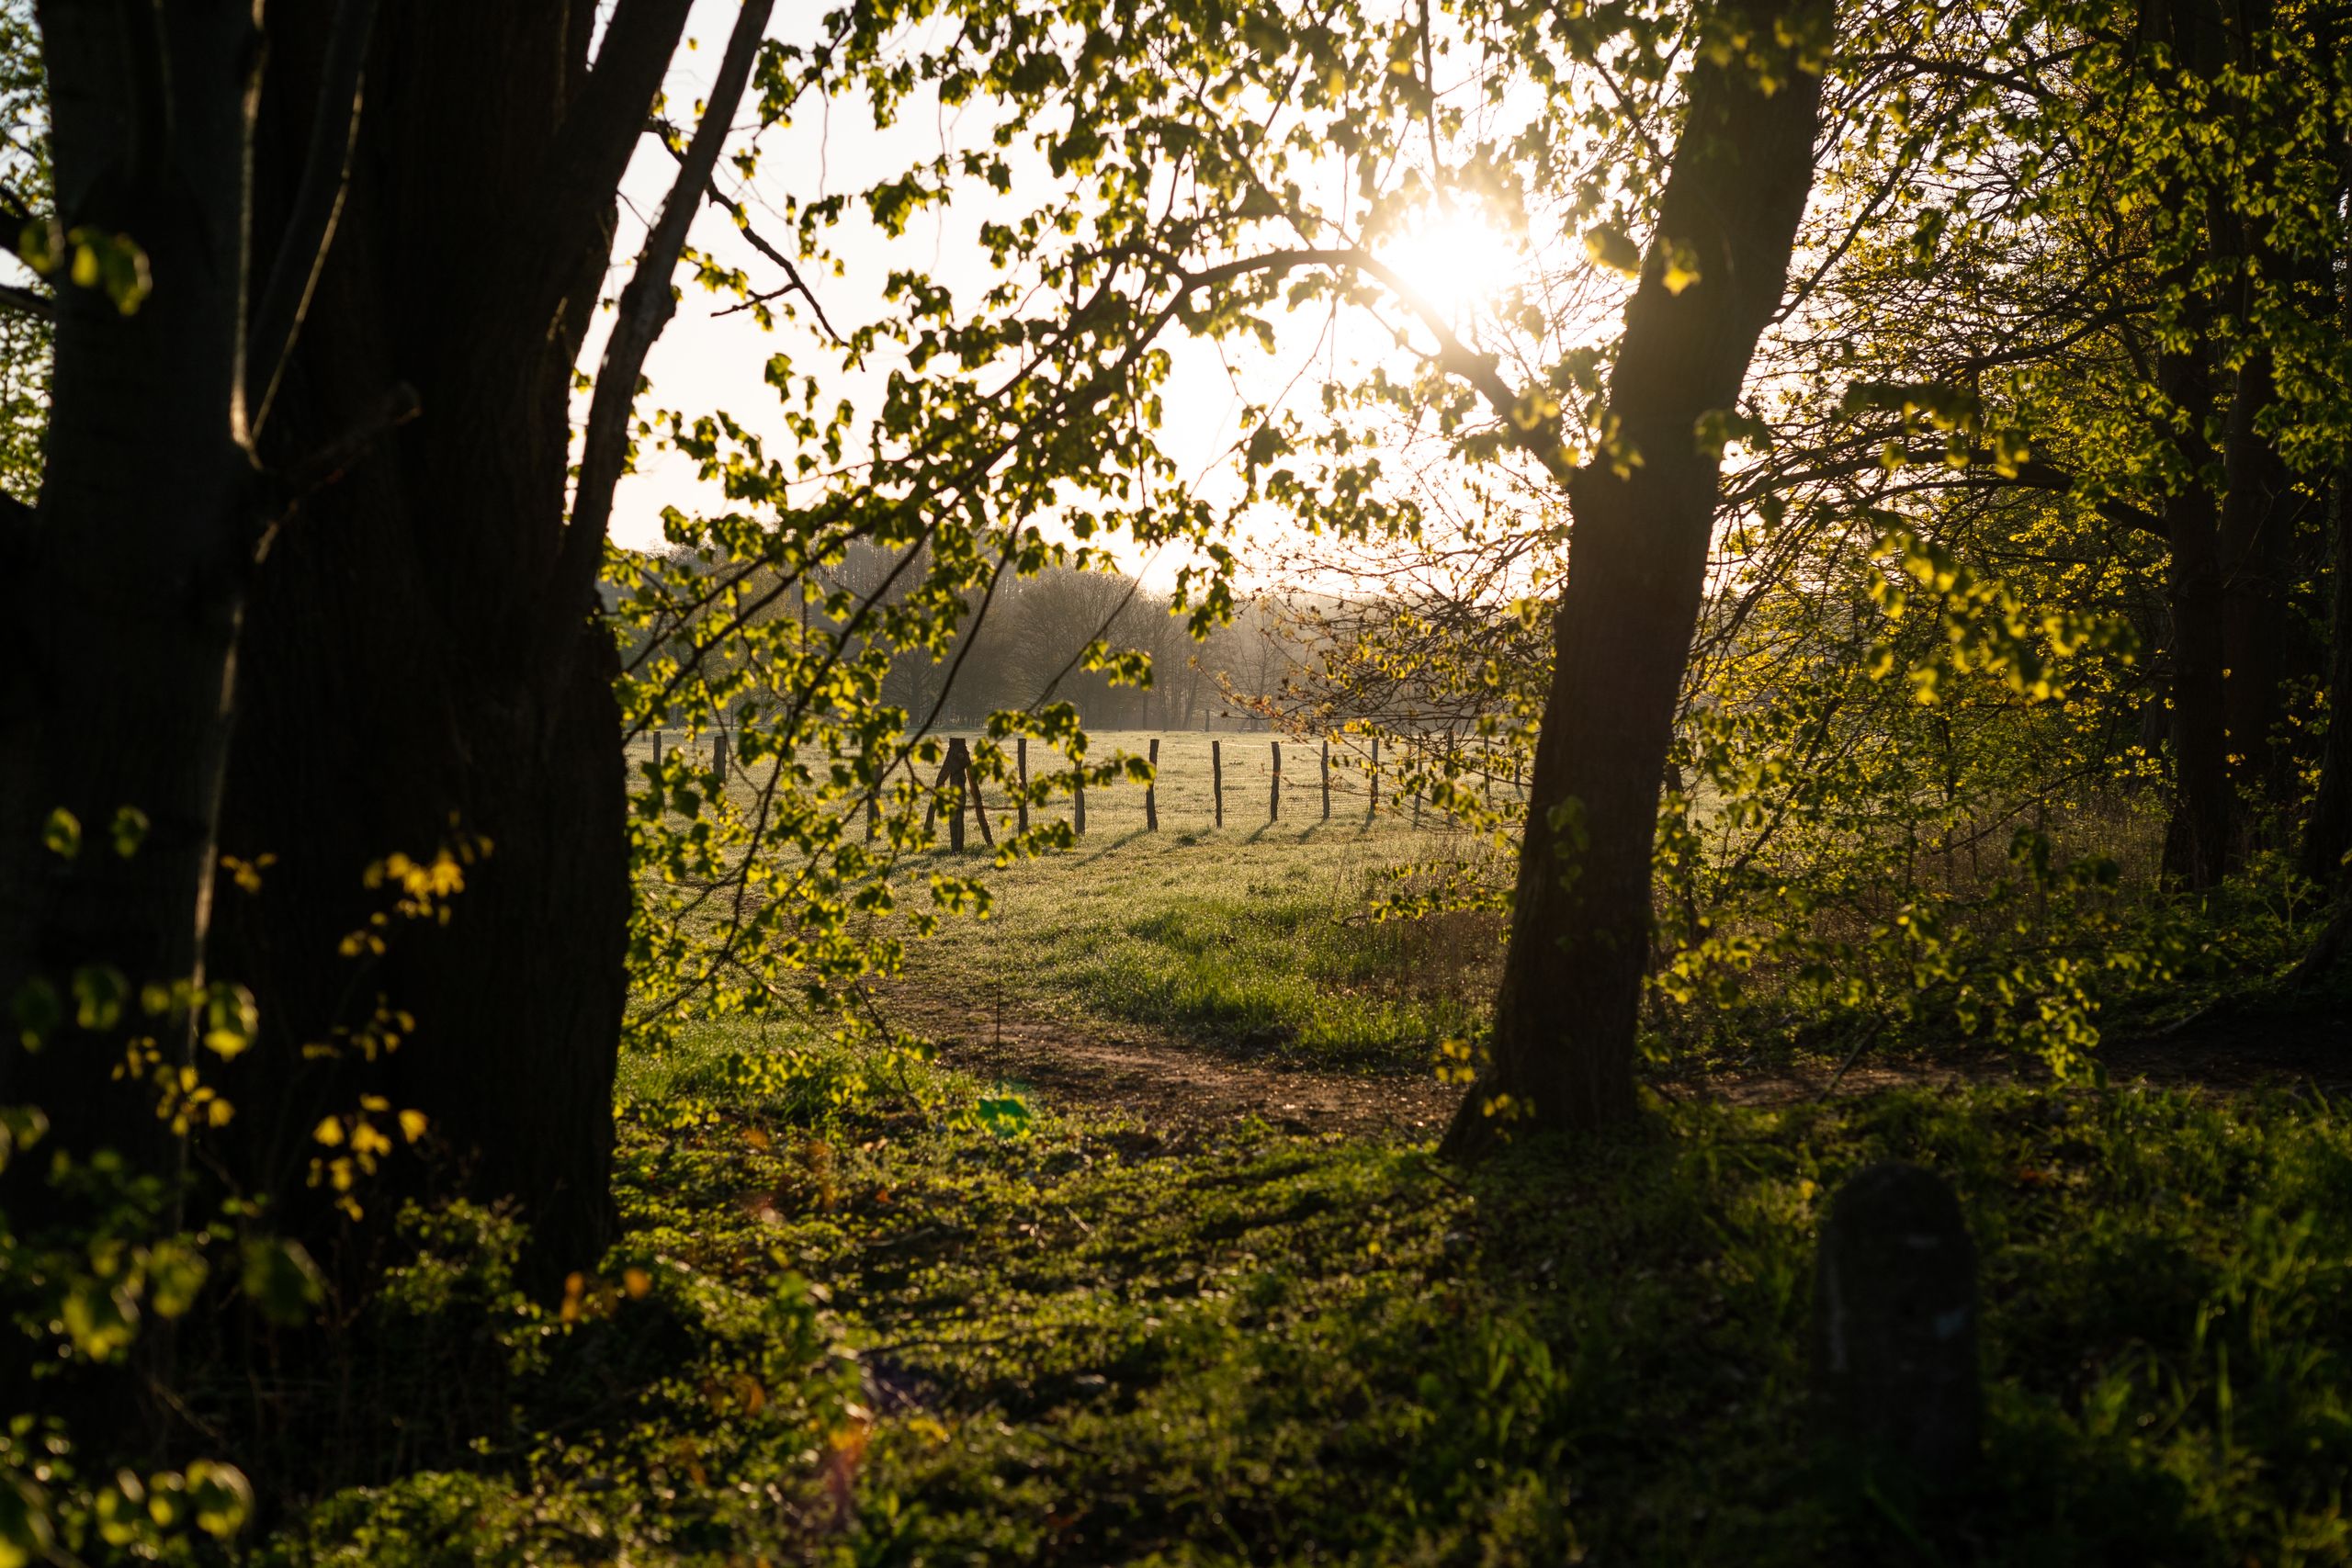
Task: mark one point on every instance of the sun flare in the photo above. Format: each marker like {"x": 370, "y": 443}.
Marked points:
{"x": 1458, "y": 265}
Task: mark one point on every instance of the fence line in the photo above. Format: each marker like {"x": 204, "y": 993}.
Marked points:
{"x": 957, "y": 782}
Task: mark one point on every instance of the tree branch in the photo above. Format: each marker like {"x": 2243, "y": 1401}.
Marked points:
{"x": 1978, "y": 474}
{"x": 318, "y": 203}
{"x": 646, "y": 307}
{"x": 27, "y": 301}
{"x": 591, "y": 149}
{"x": 793, "y": 282}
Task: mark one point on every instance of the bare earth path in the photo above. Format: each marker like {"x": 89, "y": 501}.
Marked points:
{"x": 1165, "y": 1081}
{"x": 1171, "y": 1083}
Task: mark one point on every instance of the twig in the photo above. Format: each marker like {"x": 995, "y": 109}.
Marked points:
{"x": 795, "y": 283}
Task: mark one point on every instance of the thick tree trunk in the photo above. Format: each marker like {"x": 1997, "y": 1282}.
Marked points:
{"x": 1570, "y": 991}
{"x": 396, "y": 700}
{"x": 140, "y": 547}
{"x": 117, "y": 707}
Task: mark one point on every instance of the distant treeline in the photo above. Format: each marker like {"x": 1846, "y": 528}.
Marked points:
{"x": 1027, "y": 647}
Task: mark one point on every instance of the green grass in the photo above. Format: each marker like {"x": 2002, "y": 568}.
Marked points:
{"x": 1254, "y": 935}
{"x": 889, "y": 1316}
{"x": 885, "y": 1328}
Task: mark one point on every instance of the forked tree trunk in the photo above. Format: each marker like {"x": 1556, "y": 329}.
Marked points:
{"x": 396, "y": 697}
{"x": 1570, "y": 991}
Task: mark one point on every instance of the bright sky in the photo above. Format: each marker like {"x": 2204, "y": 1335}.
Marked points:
{"x": 707, "y": 361}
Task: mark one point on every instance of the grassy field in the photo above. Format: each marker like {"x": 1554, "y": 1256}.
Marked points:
{"x": 867, "y": 1311}
{"x": 1255, "y": 935}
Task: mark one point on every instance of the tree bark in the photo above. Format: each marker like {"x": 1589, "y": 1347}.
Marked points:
{"x": 2200, "y": 838}
{"x": 139, "y": 545}
{"x": 1567, "y": 1005}
{"x": 397, "y": 697}
{"x": 2327, "y": 834}
{"x": 2262, "y": 507}
{"x": 2260, "y": 512}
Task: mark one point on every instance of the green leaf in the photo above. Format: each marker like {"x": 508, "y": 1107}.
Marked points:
{"x": 62, "y": 834}
{"x": 21, "y": 1126}
{"x": 1610, "y": 246}
{"x": 1005, "y": 1115}
{"x": 100, "y": 1318}
{"x": 99, "y": 991}
{"x": 128, "y": 830}
{"x": 175, "y": 1272}
{"x": 38, "y": 1012}
{"x": 222, "y": 1496}
{"x": 25, "y": 1535}
{"x": 231, "y": 1020}
{"x": 281, "y": 1279}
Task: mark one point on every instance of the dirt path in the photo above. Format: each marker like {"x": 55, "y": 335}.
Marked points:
{"x": 1168, "y": 1082}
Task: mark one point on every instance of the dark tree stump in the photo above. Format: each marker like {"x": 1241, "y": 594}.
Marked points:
{"x": 1895, "y": 1364}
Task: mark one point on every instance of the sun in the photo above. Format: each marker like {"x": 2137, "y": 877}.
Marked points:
{"x": 1460, "y": 264}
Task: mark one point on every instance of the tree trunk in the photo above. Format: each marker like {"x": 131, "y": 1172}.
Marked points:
{"x": 142, "y": 537}
{"x": 2261, "y": 506}
{"x": 2259, "y": 514}
{"x": 2327, "y": 836}
{"x": 2201, "y": 838}
{"x": 1570, "y": 991}
{"x": 395, "y": 700}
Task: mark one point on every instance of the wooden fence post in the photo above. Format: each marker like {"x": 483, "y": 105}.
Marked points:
{"x": 1151, "y": 792}
{"x": 718, "y": 757}
{"x": 657, "y": 747}
{"x": 1216, "y": 778}
{"x": 1373, "y": 809}
{"x": 1077, "y": 805}
{"x": 1327, "y": 778}
{"x": 874, "y": 811}
{"x": 1421, "y": 792}
{"x": 955, "y": 776}
{"x": 1274, "y": 800}
{"x": 1021, "y": 759}
{"x": 972, "y": 788}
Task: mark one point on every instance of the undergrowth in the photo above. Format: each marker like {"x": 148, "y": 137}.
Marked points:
{"x": 866, "y": 1313}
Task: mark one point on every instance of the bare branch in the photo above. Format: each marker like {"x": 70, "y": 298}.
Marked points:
{"x": 646, "y": 307}
{"x": 592, "y": 150}
{"x": 27, "y": 301}
{"x": 793, "y": 282}
{"x": 318, "y": 203}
